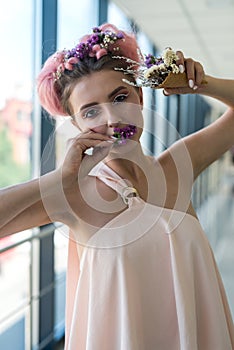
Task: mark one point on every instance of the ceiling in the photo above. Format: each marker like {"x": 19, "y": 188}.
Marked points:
{"x": 202, "y": 29}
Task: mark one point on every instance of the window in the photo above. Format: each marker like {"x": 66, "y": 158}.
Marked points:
{"x": 16, "y": 32}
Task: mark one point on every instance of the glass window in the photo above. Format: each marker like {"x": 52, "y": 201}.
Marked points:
{"x": 148, "y": 134}
{"x": 160, "y": 123}
{"x": 172, "y": 133}
{"x": 71, "y": 27}
{"x": 16, "y": 32}
{"x": 60, "y": 265}
{"x": 74, "y": 19}
{"x": 118, "y": 17}
{"x": 15, "y": 297}
{"x": 15, "y": 92}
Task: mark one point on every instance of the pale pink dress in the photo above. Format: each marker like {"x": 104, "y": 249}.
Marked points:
{"x": 147, "y": 281}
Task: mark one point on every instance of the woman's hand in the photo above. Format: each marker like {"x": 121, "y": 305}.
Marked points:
{"x": 77, "y": 162}
{"x": 208, "y": 144}
{"x": 201, "y": 83}
{"x": 195, "y": 75}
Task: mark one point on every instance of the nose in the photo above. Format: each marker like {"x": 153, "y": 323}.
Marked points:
{"x": 113, "y": 124}
{"x": 112, "y": 119}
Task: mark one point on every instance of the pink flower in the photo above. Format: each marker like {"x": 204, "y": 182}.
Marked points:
{"x": 73, "y": 60}
{"x": 69, "y": 64}
{"x": 96, "y": 48}
{"x": 97, "y": 51}
{"x": 101, "y": 53}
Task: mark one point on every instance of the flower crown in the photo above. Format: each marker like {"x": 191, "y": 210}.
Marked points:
{"x": 151, "y": 71}
{"x": 147, "y": 70}
{"x": 99, "y": 44}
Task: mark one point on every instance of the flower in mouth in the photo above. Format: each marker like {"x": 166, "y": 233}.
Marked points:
{"x": 122, "y": 134}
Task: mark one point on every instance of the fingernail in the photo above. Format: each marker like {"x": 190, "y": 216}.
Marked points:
{"x": 181, "y": 68}
{"x": 114, "y": 138}
{"x": 165, "y": 93}
{"x": 195, "y": 87}
{"x": 191, "y": 83}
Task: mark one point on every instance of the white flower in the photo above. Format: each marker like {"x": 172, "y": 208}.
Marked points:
{"x": 169, "y": 56}
{"x": 175, "y": 68}
{"x": 154, "y": 70}
{"x": 162, "y": 67}
{"x": 148, "y": 72}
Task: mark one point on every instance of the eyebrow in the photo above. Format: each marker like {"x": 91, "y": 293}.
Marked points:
{"x": 109, "y": 96}
{"x": 116, "y": 90}
{"x": 88, "y": 105}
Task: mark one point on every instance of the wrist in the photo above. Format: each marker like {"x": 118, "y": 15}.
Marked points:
{"x": 220, "y": 89}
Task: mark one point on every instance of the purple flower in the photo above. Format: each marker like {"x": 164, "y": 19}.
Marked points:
{"x": 120, "y": 35}
{"x": 159, "y": 61}
{"x": 94, "y": 39}
{"x": 149, "y": 60}
{"x": 85, "y": 49}
{"x": 96, "y": 30}
{"x": 122, "y": 134}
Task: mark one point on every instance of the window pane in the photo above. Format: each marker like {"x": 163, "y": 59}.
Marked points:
{"x": 15, "y": 91}
{"x": 117, "y": 17}
{"x": 75, "y": 18}
{"x": 16, "y": 61}
{"x": 15, "y": 292}
{"x": 60, "y": 265}
{"x": 71, "y": 27}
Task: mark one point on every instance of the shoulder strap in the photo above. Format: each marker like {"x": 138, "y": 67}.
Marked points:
{"x": 113, "y": 180}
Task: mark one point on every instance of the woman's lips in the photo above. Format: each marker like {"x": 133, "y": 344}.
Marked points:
{"x": 122, "y": 134}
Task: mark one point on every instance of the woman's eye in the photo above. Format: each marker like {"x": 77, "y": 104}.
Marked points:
{"x": 120, "y": 98}
{"x": 91, "y": 113}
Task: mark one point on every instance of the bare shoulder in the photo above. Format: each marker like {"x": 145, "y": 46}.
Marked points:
{"x": 174, "y": 179}
{"x": 177, "y": 164}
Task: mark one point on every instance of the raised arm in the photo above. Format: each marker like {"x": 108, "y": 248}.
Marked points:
{"x": 208, "y": 144}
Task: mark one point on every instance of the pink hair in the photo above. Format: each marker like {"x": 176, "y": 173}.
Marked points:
{"x": 46, "y": 87}
{"x": 48, "y": 93}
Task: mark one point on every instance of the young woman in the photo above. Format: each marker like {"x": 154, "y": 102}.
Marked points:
{"x": 141, "y": 274}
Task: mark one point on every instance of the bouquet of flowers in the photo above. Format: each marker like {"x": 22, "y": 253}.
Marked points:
{"x": 156, "y": 72}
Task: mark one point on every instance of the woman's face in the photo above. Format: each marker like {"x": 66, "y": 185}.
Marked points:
{"x": 101, "y": 102}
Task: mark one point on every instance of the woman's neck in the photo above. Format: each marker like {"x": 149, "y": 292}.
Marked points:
{"x": 127, "y": 161}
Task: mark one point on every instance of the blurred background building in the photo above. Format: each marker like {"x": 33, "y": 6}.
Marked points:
{"x": 33, "y": 262}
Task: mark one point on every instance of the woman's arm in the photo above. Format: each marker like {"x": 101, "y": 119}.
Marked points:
{"x": 31, "y": 217}
{"x": 208, "y": 144}
{"x": 47, "y": 199}
{"x": 220, "y": 89}
{"x": 21, "y": 206}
